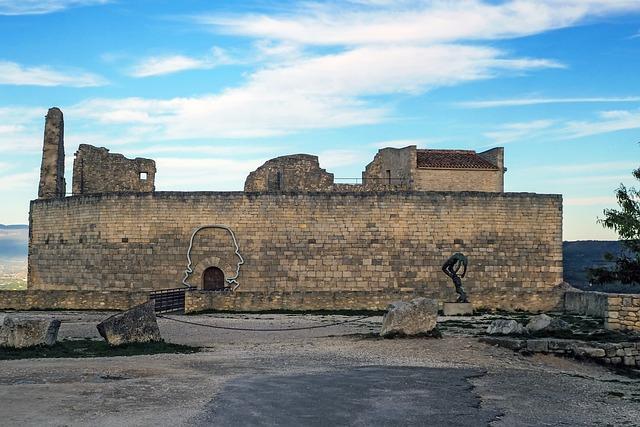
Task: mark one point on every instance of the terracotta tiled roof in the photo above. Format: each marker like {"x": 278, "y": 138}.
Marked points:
{"x": 452, "y": 159}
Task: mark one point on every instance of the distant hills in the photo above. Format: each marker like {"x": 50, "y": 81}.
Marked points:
{"x": 14, "y": 227}
{"x": 14, "y": 240}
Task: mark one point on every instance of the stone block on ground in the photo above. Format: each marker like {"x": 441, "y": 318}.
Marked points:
{"x": 418, "y": 317}
{"x": 457, "y": 309}
{"x": 23, "y": 332}
{"x": 136, "y": 325}
{"x": 542, "y": 322}
{"x": 505, "y": 327}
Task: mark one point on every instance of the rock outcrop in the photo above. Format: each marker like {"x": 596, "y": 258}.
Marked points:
{"x": 136, "y": 325}
{"x": 418, "y": 317}
{"x": 542, "y": 322}
{"x": 23, "y": 332}
{"x": 505, "y": 327}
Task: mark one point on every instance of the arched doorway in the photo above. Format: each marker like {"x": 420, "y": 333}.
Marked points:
{"x": 213, "y": 279}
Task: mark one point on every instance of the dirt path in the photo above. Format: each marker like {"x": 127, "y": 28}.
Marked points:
{"x": 499, "y": 386}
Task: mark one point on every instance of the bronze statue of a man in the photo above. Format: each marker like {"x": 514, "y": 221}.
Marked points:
{"x": 451, "y": 268}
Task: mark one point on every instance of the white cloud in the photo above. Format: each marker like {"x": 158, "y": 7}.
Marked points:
{"x": 159, "y": 65}
{"x": 12, "y": 73}
{"x": 20, "y": 181}
{"x": 330, "y": 159}
{"x": 203, "y": 173}
{"x": 609, "y": 121}
{"x": 310, "y": 93}
{"x": 584, "y": 167}
{"x": 416, "y": 22}
{"x": 536, "y": 101}
{"x": 39, "y": 7}
{"x": 21, "y": 130}
{"x": 517, "y": 131}
{"x": 217, "y": 150}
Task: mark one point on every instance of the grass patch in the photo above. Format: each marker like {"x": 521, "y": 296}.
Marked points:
{"x": 13, "y": 285}
{"x": 93, "y": 348}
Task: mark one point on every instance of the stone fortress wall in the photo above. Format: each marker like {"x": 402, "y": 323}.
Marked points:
{"x": 304, "y": 240}
{"x": 311, "y": 242}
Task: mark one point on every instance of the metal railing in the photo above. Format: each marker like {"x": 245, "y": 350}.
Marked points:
{"x": 374, "y": 180}
{"x": 168, "y": 300}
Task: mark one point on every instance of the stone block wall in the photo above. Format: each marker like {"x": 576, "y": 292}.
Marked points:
{"x": 623, "y": 312}
{"x": 620, "y": 311}
{"x": 70, "y": 300}
{"x": 314, "y": 242}
{"x": 196, "y": 301}
{"x": 95, "y": 170}
{"x": 458, "y": 179}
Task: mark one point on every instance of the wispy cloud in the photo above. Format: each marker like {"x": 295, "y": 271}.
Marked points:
{"x": 636, "y": 35}
{"x": 516, "y": 102}
{"x": 511, "y": 132}
{"x": 556, "y": 129}
{"x": 583, "y": 167}
{"x": 19, "y": 181}
{"x": 310, "y": 93}
{"x": 418, "y": 22}
{"x": 159, "y": 65}
{"x": 203, "y": 173}
{"x": 608, "y": 121}
{"x": 12, "y": 73}
{"x": 40, "y": 7}
{"x": 22, "y": 129}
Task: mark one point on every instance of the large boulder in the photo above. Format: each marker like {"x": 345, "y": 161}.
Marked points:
{"x": 137, "y": 324}
{"x": 505, "y": 327}
{"x": 542, "y": 322}
{"x": 24, "y": 331}
{"x": 415, "y": 318}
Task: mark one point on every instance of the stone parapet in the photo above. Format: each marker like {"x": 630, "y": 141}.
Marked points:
{"x": 70, "y": 300}
{"x": 620, "y": 311}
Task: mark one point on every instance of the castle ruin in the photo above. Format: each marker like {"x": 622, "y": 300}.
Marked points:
{"x": 305, "y": 241}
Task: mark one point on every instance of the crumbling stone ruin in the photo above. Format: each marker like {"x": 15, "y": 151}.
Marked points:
{"x": 95, "y": 170}
{"x": 307, "y": 242}
{"x": 298, "y": 172}
{"x": 52, "y": 183}
{"x": 392, "y": 169}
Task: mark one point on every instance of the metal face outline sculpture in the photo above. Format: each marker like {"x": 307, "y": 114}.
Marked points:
{"x": 231, "y": 280}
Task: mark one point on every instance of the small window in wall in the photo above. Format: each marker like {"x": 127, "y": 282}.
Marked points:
{"x": 143, "y": 176}
{"x": 389, "y": 176}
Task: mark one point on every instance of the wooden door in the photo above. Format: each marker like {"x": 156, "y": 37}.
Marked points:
{"x": 213, "y": 279}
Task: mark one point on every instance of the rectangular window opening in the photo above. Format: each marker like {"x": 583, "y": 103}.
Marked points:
{"x": 144, "y": 176}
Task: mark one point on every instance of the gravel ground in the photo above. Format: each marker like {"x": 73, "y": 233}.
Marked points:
{"x": 170, "y": 389}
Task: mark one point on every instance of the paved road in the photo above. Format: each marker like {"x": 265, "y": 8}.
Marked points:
{"x": 363, "y": 396}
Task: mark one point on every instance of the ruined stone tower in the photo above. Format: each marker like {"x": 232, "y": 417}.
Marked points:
{"x": 52, "y": 183}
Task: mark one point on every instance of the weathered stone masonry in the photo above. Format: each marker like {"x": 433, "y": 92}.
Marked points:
{"x": 313, "y": 242}
{"x": 96, "y": 170}
{"x": 52, "y": 183}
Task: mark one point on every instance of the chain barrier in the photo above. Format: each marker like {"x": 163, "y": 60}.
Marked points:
{"x": 231, "y": 328}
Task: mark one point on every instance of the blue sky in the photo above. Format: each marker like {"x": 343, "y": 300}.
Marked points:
{"x": 211, "y": 90}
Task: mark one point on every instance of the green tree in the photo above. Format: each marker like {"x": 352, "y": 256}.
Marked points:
{"x": 626, "y": 222}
